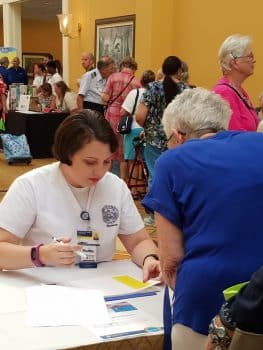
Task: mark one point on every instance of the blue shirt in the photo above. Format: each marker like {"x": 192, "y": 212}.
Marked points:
{"x": 17, "y": 75}
{"x": 212, "y": 189}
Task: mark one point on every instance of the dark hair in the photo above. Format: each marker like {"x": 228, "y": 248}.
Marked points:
{"x": 79, "y": 129}
{"x": 170, "y": 66}
{"x": 129, "y": 62}
{"x": 59, "y": 66}
{"x": 47, "y": 87}
{"x": 104, "y": 62}
{"x": 148, "y": 76}
{"x": 51, "y": 64}
{"x": 49, "y": 56}
{"x": 63, "y": 86}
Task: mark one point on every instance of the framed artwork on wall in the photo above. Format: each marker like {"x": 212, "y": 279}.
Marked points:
{"x": 115, "y": 37}
{"x": 29, "y": 58}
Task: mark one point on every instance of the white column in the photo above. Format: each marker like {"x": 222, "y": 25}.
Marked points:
{"x": 65, "y": 47}
{"x": 12, "y": 26}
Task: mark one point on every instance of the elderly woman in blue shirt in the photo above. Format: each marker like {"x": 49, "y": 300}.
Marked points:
{"x": 207, "y": 198}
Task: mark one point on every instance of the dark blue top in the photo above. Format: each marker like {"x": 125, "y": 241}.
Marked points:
{"x": 17, "y": 75}
{"x": 3, "y": 72}
{"x": 212, "y": 189}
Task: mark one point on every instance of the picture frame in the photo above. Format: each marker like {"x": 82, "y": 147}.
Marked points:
{"x": 29, "y": 58}
{"x": 115, "y": 37}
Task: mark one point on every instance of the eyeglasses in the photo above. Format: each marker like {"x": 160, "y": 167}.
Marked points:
{"x": 250, "y": 56}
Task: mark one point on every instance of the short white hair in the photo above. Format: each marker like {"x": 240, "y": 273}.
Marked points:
{"x": 233, "y": 47}
{"x": 195, "y": 111}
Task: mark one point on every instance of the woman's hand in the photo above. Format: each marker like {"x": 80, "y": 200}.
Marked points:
{"x": 59, "y": 254}
{"x": 152, "y": 270}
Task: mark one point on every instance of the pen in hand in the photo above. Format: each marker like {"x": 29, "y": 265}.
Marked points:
{"x": 79, "y": 253}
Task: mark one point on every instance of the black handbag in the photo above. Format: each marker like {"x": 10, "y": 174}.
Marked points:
{"x": 124, "y": 125}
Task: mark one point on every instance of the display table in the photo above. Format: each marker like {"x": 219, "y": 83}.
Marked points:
{"x": 16, "y": 334}
{"x": 39, "y": 129}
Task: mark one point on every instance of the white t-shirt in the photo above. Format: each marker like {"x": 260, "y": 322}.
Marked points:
{"x": 38, "y": 80}
{"x": 128, "y": 104}
{"x": 40, "y": 204}
{"x": 69, "y": 102}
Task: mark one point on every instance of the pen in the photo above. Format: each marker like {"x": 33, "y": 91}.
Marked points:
{"x": 79, "y": 253}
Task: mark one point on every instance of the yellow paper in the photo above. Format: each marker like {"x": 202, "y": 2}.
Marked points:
{"x": 131, "y": 282}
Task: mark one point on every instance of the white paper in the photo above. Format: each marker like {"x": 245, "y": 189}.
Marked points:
{"x": 51, "y": 305}
{"x": 109, "y": 286}
{"x": 132, "y": 322}
{"x": 24, "y": 101}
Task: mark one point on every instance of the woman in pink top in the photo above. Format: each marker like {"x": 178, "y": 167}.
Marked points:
{"x": 237, "y": 63}
{"x": 117, "y": 88}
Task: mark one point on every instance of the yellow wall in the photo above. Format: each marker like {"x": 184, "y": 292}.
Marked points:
{"x": 149, "y": 53}
{"x": 42, "y": 37}
{"x": 39, "y": 37}
{"x": 201, "y": 27}
{"x": 191, "y": 29}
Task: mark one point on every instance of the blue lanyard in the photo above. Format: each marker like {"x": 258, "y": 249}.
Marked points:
{"x": 167, "y": 320}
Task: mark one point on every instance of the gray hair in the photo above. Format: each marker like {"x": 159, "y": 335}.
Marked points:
{"x": 233, "y": 47}
{"x": 196, "y": 112}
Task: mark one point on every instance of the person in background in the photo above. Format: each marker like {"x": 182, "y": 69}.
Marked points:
{"x": 185, "y": 75}
{"x": 147, "y": 77}
{"x": 3, "y": 94}
{"x": 4, "y": 63}
{"x": 16, "y": 74}
{"x": 150, "y": 112}
{"x": 39, "y": 72}
{"x": 195, "y": 195}
{"x": 92, "y": 84}
{"x": 46, "y": 98}
{"x": 48, "y": 57}
{"x": 117, "y": 88}
{"x": 55, "y": 77}
{"x": 59, "y": 68}
{"x": 237, "y": 63}
{"x": 81, "y": 193}
{"x": 259, "y": 109}
{"x": 159, "y": 74}
{"x": 87, "y": 61}
{"x": 66, "y": 100}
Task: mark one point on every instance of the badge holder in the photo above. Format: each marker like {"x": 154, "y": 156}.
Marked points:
{"x": 90, "y": 242}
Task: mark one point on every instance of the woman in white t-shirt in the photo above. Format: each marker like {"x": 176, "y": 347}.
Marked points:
{"x": 39, "y": 72}
{"x": 75, "y": 200}
{"x": 131, "y": 103}
{"x": 66, "y": 100}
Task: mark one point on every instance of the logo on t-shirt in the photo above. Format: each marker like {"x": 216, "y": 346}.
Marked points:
{"x": 110, "y": 215}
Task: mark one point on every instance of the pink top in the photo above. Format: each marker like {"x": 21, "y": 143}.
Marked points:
{"x": 243, "y": 117}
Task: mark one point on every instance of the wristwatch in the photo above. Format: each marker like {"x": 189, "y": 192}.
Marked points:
{"x": 35, "y": 256}
{"x": 226, "y": 315}
{"x": 220, "y": 337}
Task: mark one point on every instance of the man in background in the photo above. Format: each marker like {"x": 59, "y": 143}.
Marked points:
{"x": 48, "y": 57}
{"x": 4, "y": 63}
{"x": 92, "y": 84}
{"x": 16, "y": 73}
{"x": 87, "y": 61}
